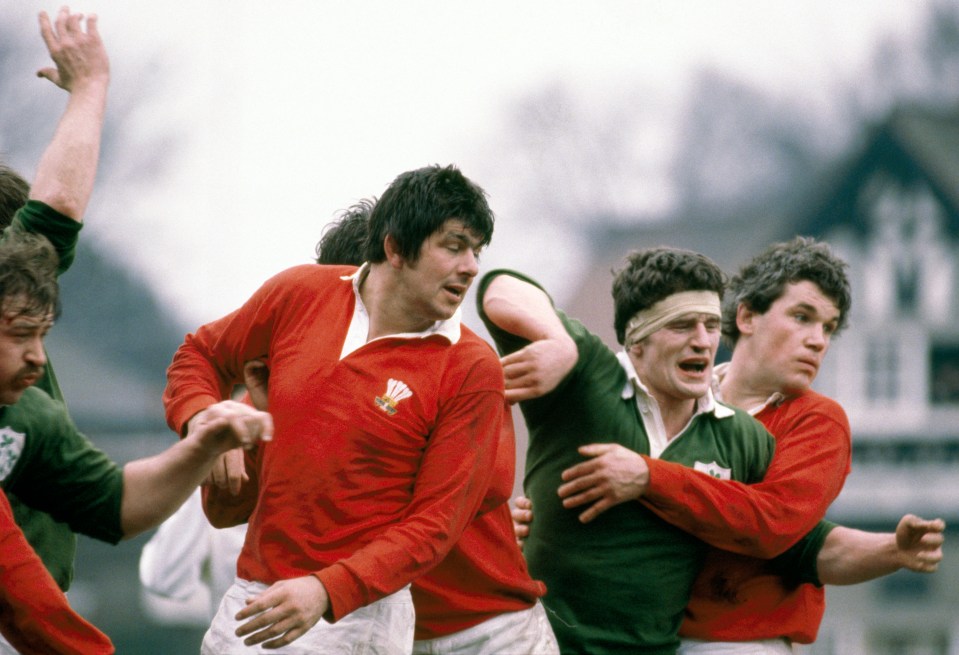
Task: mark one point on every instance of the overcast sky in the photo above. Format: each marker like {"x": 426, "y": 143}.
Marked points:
{"x": 277, "y": 114}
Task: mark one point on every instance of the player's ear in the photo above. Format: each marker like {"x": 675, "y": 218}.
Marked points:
{"x": 745, "y": 319}
{"x": 391, "y": 248}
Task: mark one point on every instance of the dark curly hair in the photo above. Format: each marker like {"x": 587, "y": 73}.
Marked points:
{"x": 343, "y": 240}
{"x": 764, "y": 278}
{"x": 28, "y": 275}
{"x": 655, "y": 273}
{"x": 418, "y": 202}
{"x": 14, "y": 192}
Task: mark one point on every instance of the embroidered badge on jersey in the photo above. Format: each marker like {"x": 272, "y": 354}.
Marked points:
{"x": 396, "y": 391}
{"x": 11, "y": 445}
{"x": 714, "y": 469}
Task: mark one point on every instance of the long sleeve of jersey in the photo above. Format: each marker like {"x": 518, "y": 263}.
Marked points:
{"x": 209, "y": 363}
{"x": 60, "y": 472}
{"x": 62, "y": 231}
{"x": 809, "y": 467}
{"x": 452, "y": 481}
{"x": 35, "y": 616}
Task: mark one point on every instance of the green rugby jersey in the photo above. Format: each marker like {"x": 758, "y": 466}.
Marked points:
{"x": 620, "y": 583}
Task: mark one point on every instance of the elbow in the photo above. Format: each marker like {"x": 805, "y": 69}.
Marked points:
{"x": 496, "y": 310}
{"x": 500, "y": 298}
{"x": 762, "y": 548}
{"x": 134, "y": 529}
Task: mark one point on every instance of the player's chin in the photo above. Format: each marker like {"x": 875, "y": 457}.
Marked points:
{"x": 11, "y": 396}
{"x": 696, "y": 389}
{"x": 798, "y": 383}
{"x": 446, "y": 308}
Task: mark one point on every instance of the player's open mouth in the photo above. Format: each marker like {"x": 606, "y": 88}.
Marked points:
{"x": 693, "y": 367}
{"x": 459, "y": 292}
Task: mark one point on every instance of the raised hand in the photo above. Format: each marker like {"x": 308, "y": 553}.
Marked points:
{"x": 79, "y": 55}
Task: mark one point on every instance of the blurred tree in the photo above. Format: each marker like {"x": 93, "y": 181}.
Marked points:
{"x": 740, "y": 149}
{"x": 739, "y": 146}
{"x": 24, "y": 117}
{"x": 919, "y": 69}
{"x": 571, "y": 160}
{"x": 734, "y": 147}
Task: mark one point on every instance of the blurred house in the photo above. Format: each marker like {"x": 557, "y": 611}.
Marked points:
{"x": 891, "y": 211}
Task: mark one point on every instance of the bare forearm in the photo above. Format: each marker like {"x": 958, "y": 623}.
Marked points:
{"x": 66, "y": 172}
{"x": 851, "y": 556}
{"x": 155, "y": 487}
{"x": 522, "y": 309}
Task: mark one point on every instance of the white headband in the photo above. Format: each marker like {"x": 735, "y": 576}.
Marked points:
{"x": 648, "y": 320}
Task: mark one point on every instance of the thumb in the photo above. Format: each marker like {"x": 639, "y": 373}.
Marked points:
{"x": 51, "y": 74}
{"x": 595, "y": 449}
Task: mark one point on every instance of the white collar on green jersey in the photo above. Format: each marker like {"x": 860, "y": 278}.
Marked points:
{"x": 634, "y": 387}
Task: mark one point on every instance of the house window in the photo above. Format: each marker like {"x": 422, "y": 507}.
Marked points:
{"x": 909, "y": 640}
{"x": 904, "y": 588}
{"x": 944, "y": 374}
{"x": 907, "y": 285}
{"x": 882, "y": 366}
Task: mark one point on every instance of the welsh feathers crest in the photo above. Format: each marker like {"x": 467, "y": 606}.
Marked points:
{"x": 395, "y": 392}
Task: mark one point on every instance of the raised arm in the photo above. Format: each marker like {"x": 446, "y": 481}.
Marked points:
{"x": 851, "y": 556}
{"x": 523, "y": 309}
{"x": 65, "y": 174}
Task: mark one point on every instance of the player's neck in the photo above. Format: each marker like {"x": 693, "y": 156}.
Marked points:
{"x": 742, "y": 386}
{"x": 676, "y": 414}
{"x": 386, "y": 307}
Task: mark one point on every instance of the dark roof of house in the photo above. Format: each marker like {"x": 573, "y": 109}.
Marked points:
{"x": 913, "y": 145}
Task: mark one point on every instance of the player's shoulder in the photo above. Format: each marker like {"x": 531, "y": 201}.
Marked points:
{"x": 738, "y": 419}
{"x": 813, "y": 401}
{"x": 35, "y": 412}
{"x": 311, "y": 278}
{"x": 38, "y": 404}
{"x": 472, "y": 344}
